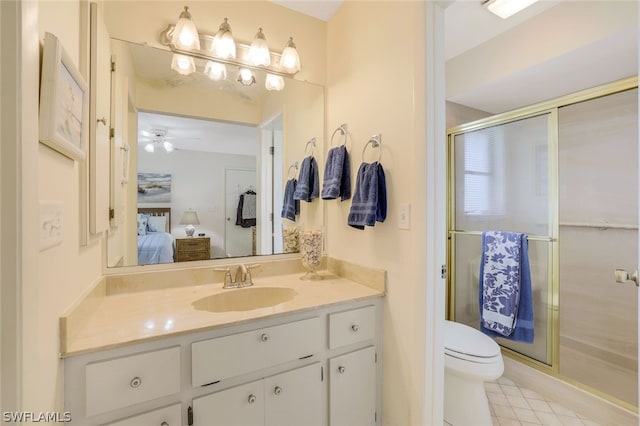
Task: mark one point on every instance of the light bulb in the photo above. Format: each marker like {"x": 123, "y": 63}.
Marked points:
{"x": 168, "y": 146}
{"x": 149, "y": 147}
{"x": 215, "y": 70}
{"x": 259, "y": 54}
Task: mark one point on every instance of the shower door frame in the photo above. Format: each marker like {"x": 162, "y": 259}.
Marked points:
{"x": 550, "y": 107}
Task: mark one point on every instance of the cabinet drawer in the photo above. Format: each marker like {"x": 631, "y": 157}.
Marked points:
{"x": 192, "y": 243}
{"x": 183, "y": 256}
{"x": 168, "y": 416}
{"x": 352, "y": 326}
{"x": 228, "y": 356}
{"x": 129, "y": 380}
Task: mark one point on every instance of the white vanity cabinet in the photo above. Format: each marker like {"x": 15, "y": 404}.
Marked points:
{"x": 292, "y": 398}
{"x": 316, "y": 367}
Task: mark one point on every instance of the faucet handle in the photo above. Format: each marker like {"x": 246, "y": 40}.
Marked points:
{"x": 227, "y": 275}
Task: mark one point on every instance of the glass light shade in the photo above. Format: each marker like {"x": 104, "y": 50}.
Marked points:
{"x": 168, "y": 146}
{"x": 259, "y": 54}
{"x": 223, "y": 46}
{"x": 246, "y": 77}
{"x": 183, "y": 64}
{"x": 274, "y": 82}
{"x": 149, "y": 147}
{"x": 215, "y": 70}
{"x": 185, "y": 35}
{"x": 290, "y": 61}
{"x": 507, "y": 8}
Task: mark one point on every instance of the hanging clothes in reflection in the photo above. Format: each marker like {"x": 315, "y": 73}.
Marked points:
{"x": 246, "y": 212}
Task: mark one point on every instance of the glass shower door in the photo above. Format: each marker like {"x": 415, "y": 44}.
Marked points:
{"x": 598, "y": 222}
{"x": 501, "y": 182}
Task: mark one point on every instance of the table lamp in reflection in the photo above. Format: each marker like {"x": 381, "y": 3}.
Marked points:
{"x": 189, "y": 218}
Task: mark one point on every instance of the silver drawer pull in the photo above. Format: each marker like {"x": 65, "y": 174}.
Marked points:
{"x": 341, "y": 370}
{"x": 264, "y": 337}
{"x": 135, "y": 382}
{"x": 164, "y": 424}
{"x": 277, "y": 390}
{"x": 355, "y": 328}
{"x": 251, "y": 399}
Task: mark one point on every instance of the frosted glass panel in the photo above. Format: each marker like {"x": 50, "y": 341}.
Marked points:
{"x": 467, "y": 270}
{"x": 598, "y": 214}
{"x": 502, "y": 177}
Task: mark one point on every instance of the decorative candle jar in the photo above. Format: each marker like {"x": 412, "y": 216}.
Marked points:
{"x": 310, "y": 241}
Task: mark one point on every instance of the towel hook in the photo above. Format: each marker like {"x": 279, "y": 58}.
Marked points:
{"x": 293, "y": 166}
{"x": 376, "y": 142}
{"x": 312, "y": 142}
{"x": 343, "y": 131}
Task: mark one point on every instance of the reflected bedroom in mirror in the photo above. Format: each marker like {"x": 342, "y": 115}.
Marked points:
{"x": 199, "y": 167}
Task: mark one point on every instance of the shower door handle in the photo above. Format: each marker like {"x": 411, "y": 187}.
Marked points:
{"x": 623, "y": 276}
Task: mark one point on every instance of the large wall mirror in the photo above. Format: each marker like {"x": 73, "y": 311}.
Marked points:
{"x": 210, "y": 157}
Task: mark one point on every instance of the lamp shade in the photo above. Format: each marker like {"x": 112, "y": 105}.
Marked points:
{"x": 274, "y": 82}
{"x": 290, "y": 61}
{"x": 185, "y": 35}
{"x": 189, "y": 217}
{"x": 223, "y": 45}
{"x": 183, "y": 64}
{"x": 259, "y": 54}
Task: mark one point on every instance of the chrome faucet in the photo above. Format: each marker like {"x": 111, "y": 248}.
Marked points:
{"x": 242, "y": 276}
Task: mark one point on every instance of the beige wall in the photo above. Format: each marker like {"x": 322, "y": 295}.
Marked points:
{"x": 376, "y": 85}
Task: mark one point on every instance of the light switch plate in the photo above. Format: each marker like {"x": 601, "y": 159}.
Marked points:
{"x": 50, "y": 224}
{"x": 404, "y": 216}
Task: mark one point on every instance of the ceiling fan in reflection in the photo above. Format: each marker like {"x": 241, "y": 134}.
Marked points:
{"x": 156, "y": 137}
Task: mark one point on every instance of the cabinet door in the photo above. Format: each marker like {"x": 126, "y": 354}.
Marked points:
{"x": 352, "y": 388}
{"x": 294, "y": 398}
{"x": 239, "y": 406}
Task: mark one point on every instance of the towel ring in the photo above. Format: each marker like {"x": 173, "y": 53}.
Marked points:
{"x": 294, "y": 166}
{"x": 343, "y": 131}
{"x": 376, "y": 142}
{"x": 312, "y": 142}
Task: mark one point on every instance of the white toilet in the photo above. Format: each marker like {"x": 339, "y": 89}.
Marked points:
{"x": 470, "y": 359}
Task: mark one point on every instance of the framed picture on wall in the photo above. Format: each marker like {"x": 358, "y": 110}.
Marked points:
{"x": 64, "y": 102}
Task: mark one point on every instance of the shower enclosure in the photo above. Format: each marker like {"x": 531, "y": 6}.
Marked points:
{"x": 564, "y": 173}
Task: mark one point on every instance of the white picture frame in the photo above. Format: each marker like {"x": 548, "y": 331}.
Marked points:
{"x": 64, "y": 102}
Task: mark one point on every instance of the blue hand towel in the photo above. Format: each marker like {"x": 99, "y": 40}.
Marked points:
{"x": 505, "y": 294}
{"x": 337, "y": 175}
{"x": 369, "y": 198}
{"x": 308, "y": 181}
{"x": 290, "y": 207}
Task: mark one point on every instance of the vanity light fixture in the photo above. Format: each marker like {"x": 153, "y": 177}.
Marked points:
{"x": 220, "y": 50}
{"x": 507, "y": 8}
{"x": 259, "y": 54}
{"x": 246, "y": 77}
{"x": 224, "y": 46}
{"x": 185, "y": 35}
{"x": 183, "y": 64}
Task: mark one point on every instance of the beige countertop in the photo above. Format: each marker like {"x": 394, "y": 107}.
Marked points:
{"x": 133, "y": 317}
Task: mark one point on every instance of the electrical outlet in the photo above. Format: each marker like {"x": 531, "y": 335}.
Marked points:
{"x": 50, "y": 224}
{"x": 404, "y": 216}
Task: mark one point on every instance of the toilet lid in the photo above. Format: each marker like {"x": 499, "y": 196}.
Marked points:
{"x": 464, "y": 342}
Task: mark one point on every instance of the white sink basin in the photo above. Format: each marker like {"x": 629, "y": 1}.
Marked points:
{"x": 245, "y": 299}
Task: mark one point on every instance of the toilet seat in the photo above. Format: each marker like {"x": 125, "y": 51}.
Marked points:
{"x": 469, "y": 344}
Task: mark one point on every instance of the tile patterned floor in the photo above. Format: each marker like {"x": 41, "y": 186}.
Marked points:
{"x": 512, "y": 405}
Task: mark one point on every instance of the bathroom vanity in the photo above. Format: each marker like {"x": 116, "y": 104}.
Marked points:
{"x": 174, "y": 357}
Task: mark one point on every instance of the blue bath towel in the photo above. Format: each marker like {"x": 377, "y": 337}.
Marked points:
{"x": 369, "y": 202}
{"x": 308, "y": 181}
{"x": 505, "y": 294}
{"x": 290, "y": 207}
{"x": 337, "y": 175}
